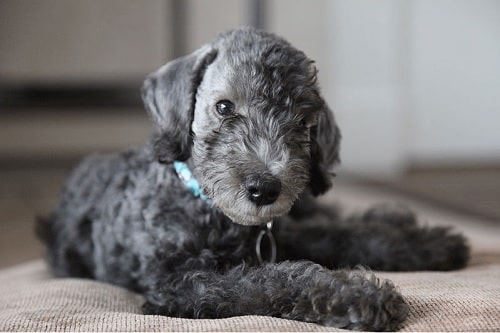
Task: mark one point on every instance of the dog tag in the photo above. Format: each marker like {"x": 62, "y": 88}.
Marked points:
{"x": 272, "y": 244}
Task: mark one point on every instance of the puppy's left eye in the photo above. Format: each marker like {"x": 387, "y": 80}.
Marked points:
{"x": 225, "y": 108}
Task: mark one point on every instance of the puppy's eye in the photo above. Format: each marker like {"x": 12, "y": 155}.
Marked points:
{"x": 225, "y": 108}
{"x": 309, "y": 121}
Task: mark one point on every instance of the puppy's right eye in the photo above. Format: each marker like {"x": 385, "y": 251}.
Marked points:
{"x": 225, "y": 108}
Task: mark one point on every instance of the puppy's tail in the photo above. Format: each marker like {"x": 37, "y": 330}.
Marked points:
{"x": 43, "y": 229}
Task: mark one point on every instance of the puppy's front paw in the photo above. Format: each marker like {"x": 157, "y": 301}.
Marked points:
{"x": 356, "y": 300}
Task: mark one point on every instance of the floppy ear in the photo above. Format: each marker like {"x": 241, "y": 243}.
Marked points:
{"x": 169, "y": 95}
{"x": 325, "y": 140}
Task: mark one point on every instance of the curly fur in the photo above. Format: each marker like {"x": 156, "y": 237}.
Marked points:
{"x": 127, "y": 218}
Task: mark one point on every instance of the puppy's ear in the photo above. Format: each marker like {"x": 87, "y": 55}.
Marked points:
{"x": 169, "y": 95}
{"x": 325, "y": 140}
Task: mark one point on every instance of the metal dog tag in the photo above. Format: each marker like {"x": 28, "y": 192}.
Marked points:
{"x": 272, "y": 243}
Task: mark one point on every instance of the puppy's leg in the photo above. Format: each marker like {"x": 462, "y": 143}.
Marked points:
{"x": 294, "y": 290}
{"x": 382, "y": 238}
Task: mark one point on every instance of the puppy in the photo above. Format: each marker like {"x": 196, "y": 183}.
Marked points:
{"x": 215, "y": 216}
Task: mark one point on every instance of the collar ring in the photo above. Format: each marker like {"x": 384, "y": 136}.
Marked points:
{"x": 267, "y": 232}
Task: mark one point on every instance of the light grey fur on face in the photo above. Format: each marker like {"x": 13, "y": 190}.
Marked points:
{"x": 261, "y": 138}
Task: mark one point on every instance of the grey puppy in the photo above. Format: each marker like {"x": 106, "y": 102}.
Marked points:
{"x": 245, "y": 116}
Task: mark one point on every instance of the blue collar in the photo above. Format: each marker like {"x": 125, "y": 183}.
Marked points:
{"x": 187, "y": 177}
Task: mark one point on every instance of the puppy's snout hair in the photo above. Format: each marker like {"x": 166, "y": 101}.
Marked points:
{"x": 246, "y": 104}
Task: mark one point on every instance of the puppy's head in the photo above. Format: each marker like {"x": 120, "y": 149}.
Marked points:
{"x": 246, "y": 112}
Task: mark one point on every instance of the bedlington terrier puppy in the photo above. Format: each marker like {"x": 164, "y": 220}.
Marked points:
{"x": 216, "y": 216}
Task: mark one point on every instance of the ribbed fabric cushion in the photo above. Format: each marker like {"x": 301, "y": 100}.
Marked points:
{"x": 30, "y": 300}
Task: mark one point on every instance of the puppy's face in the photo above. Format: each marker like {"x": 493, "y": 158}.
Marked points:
{"x": 245, "y": 110}
{"x": 252, "y": 136}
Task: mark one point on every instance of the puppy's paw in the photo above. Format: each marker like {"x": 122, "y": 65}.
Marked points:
{"x": 357, "y": 300}
{"x": 441, "y": 249}
{"x": 400, "y": 243}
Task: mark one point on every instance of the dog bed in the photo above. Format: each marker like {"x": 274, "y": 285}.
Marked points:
{"x": 465, "y": 300}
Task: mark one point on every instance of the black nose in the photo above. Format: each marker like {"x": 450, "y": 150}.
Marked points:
{"x": 262, "y": 189}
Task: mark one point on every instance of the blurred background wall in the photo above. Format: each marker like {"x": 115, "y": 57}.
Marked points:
{"x": 414, "y": 84}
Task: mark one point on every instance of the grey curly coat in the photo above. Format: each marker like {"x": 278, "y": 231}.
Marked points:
{"x": 245, "y": 114}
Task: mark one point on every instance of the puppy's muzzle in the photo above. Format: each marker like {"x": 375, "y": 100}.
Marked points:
{"x": 262, "y": 189}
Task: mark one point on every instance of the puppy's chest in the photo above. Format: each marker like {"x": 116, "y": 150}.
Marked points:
{"x": 186, "y": 221}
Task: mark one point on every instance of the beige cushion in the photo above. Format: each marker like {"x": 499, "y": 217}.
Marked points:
{"x": 33, "y": 301}
{"x": 465, "y": 300}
